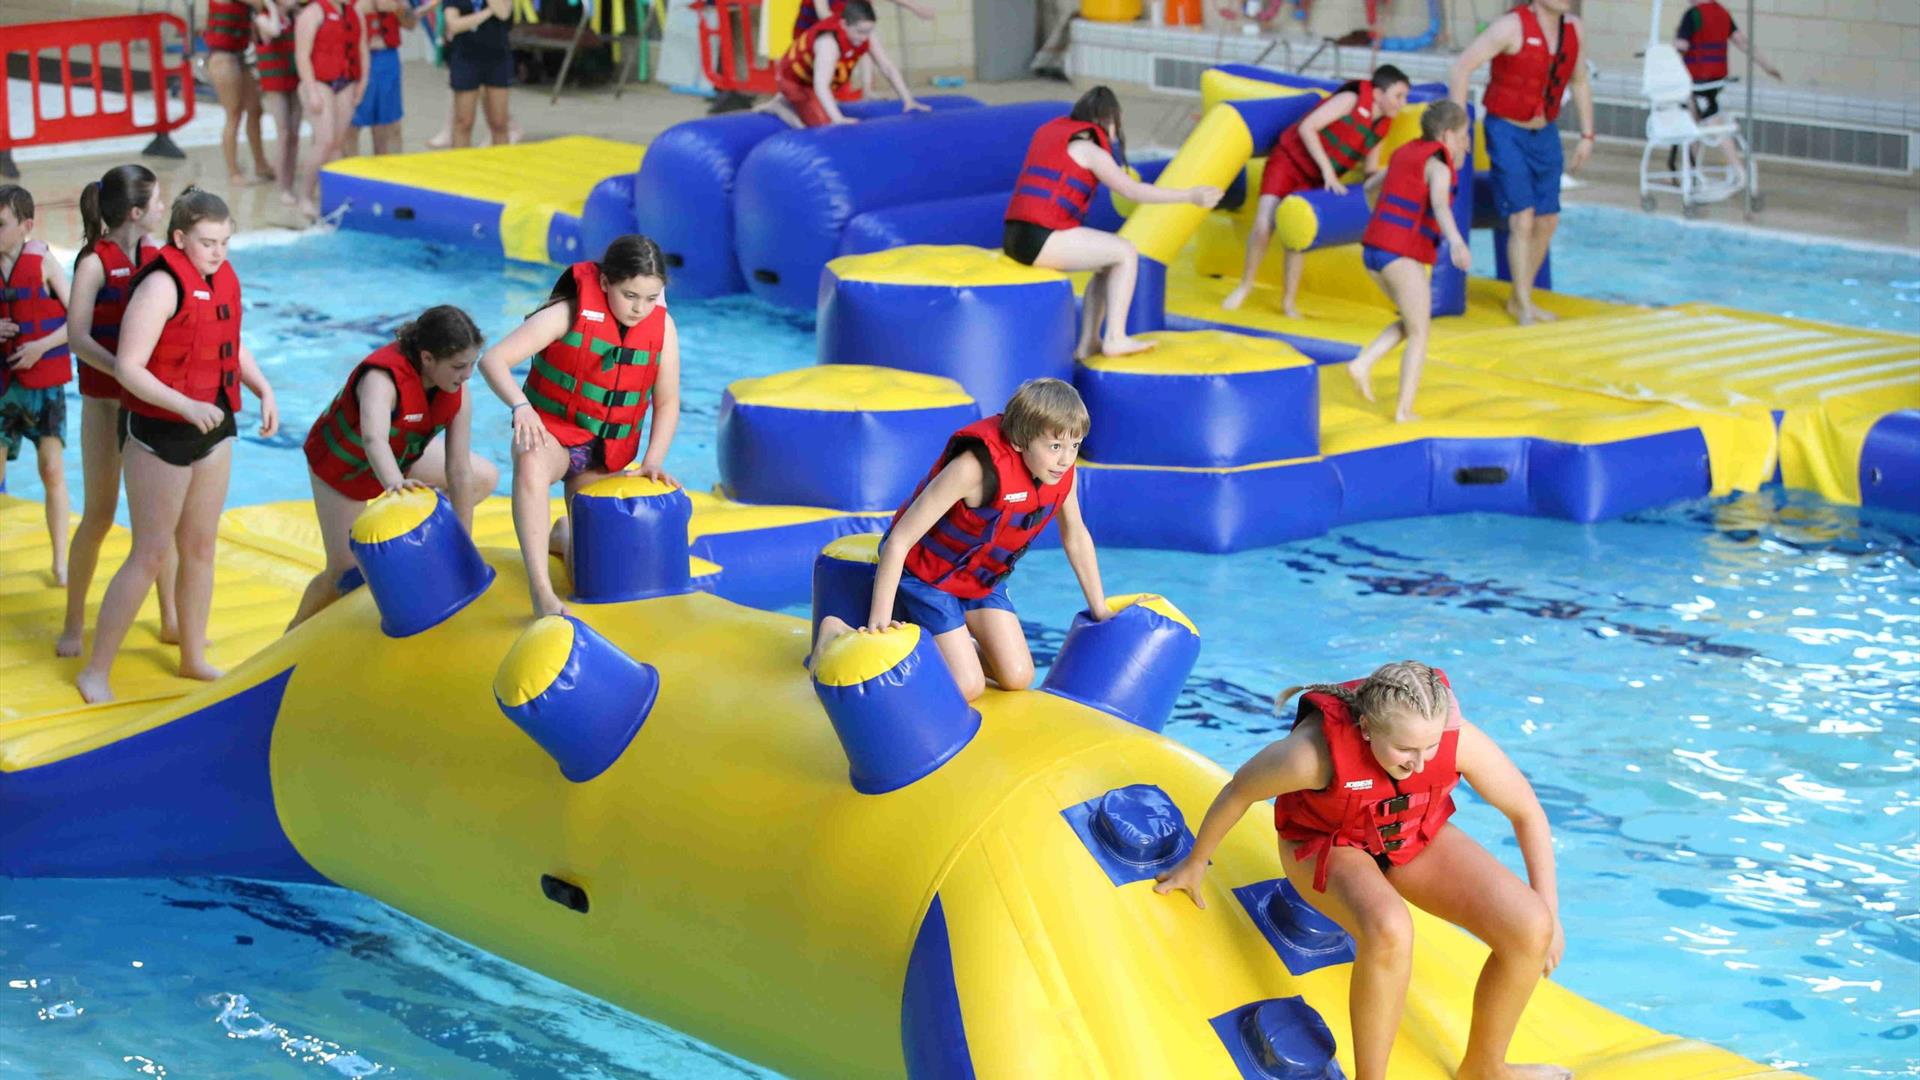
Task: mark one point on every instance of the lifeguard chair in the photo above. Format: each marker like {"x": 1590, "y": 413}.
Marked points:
{"x": 732, "y": 52}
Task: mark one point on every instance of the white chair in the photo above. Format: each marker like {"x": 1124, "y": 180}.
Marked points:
{"x": 1668, "y": 88}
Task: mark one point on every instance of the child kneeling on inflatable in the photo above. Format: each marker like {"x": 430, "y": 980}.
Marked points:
{"x": 1362, "y": 791}
{"x": 945, "y": 559}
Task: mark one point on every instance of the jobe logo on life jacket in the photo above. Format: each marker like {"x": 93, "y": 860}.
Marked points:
{"x": 1015, "y": 497}
{"x": 1358, "y": 785}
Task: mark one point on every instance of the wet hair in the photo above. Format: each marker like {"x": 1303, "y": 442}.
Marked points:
{"x": 445, "y": 331}
{"x": 1404, "y": 687}
{"x": 108, "y": 202}
{"x": 1440, "y": 117}
{"x": 1042, "y": 407}
{"x": 17, "y": 199}
{"x": 193, "y": 206}
{"x": 1386, "y": 77}
{"x": 1100, "y": 106}
{"x": 855, "y": 11}
{"x": 628, "y": 257}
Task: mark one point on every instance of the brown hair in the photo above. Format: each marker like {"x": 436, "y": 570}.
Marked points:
{"x": 1397, "y": 689}
{"x": 626, "y": 258}
{"x": 17, "y": 199}
{"x": 445, "y": 331}
{"x": 1041, "y": 407}
{"x": 1440, "y": 117}
{"x": 108, "y": 202}
{"x": 1100, "y": 106}
{"x": 193, "y": 206}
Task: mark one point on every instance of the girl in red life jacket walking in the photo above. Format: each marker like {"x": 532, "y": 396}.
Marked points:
{"x": 946, "y": 557}
{"x": 35, "y": 363}
{"x": 603, "y": 349}
{"x": 120, "y": 211}
{"x": 403, "y": 420}
{"x": 1414, "y": 212}
{"x": 1363, "y": 789}
{"x": 181, "y": 363}
{"x": 1069, "y": 158}
{"x": 330, "y": 52}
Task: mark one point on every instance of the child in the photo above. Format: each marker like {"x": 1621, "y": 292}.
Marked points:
{"x": 1362, "y": 790}
{"x": 381, "y": 108}
{"x": 330, "y": 50}
{"x": 812, "y": 12}
{"x": 820, "y": 62}
{"x": 479, "y": 56}
{"x": 403, "y": 420}
{"x": 120, "y": 212}
{"x": 1705, "y": 32}
{"x": 605, "y": 345}
{"x": 1414, "y": 212}
{"x": 229, "y": 28}
{"x": 1067, "y": 159}
{"x": 946, "y": 557}
{"x": 38, "y": 366}
{"x": 280, "y": 90}
{"x": 182, "y": 363}
{"x": 1340, "y": 137}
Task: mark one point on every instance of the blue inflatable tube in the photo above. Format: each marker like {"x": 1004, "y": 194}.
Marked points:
{"x": 1890, "y": 462}
{"x": 975, "y": 220}
{"x": 607, "y": 216}
{"x": 1416, "y": 42}
{"x": 796, "y": 192}
{"x": 683, "y": 194}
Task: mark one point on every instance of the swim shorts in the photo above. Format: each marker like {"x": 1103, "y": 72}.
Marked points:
{"x": 1526, "y": 167}
{"x": 29, "y": 414}
{"x": 937, "y": 611}
{"x": 381, "y": 103}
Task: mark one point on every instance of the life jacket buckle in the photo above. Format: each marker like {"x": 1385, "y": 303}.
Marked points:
{"x": 1396, "y": 805}
{"x": 1391, "y": 828}
{"x": 1393, "y": 845}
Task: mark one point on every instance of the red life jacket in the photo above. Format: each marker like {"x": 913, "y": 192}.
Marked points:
{"x": 970, "y": 549}
{"x": 1706, "y": 55}
{"x": 1363, "y": 806}
{"x": 198, "y": 352}
{"x": 596, "y": 382}
{"x": 109, "y": 305}
{"x": 273, "y": 60}
{"x": 25, "y": 299}
{"x": 229, "y": 25}
{"x": 1346, "y": 140}
{"x": 805, "y": 18}
{"x": 1530, "y": 83}
{"x": 797, "y": 64}
{"x": 335, "y": 450}
{"x": 384, "y": 25}
{"x": 1052, "y": 189}
{"x": 336, "y": 44}
{"x": 1403, "y": 220}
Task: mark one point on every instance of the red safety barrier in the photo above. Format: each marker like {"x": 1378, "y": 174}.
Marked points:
{"x": 121, "y": 57}
{"x": 730, "y": 54}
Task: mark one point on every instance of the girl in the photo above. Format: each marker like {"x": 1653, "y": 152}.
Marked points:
{"x": 404, "y": 420}
{"x": 1414, "y": 211}
{"x": 381, "y": 108}
{"x": 479, "y": 65}
{"x": 1363, "y": 792}
{"x": 330, "y": 50}
{"x": 181, "y": 363}
{"x": 120, "y": 212}
{"x": 228, "y": 30}
{"x": 1067, "y": 159}
{"x": 605, "y": 346}
{"x": 280, "y": 91}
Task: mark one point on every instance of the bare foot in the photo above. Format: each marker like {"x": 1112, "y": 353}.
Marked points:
{"x": 71, "y": 642}
{"x": 264, "y": 174}
{"x": 169, "y": 632}
{"x": 1522, "y": 313}
{"x": 60, "y": 575}
{"x": 288, "y": 198}
{"x": 1405, "y": 416}
{"x": 440, "y": 141}
{"x": 1362, "y": 380}
{"x": 238, "y": 180}
{"x": 549, "y": 604}
{"x": 201, "y": 670}
{"x": 1541, "y": 314}
{"x": 1236, "y": 298}
{"x": 514, "y": 134}
{"x": 1287, "y": 309}
{"x": 309, "y": 210}
{"x": 1516, "y": 1072}
{"x": 1125, "y": 346}
{"x": 93, "y": 686}
{"x": 831, "y": 627}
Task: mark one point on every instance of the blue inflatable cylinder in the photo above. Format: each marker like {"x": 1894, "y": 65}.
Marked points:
{"x": 606, "y": 217}
{"x": 575, "y": 693}
{"x": 420, "y": 565}
{"x": 894, "y": 704}
{"x": 1148, "y": 311}
{"x": 843, "y": 580}
{"x": 1132, "y": 665}
{"x": 629, "y": 540}
{"x": 1318, "y": 218}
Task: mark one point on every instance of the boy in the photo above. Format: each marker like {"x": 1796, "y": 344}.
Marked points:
{"x": 1413, "y": 214}
{"x": 1705, "y": 32}
{"x": 33, "y": 343}
{"x": 945, "y": 559}
{"x": 1340, "y": 137}
{"x": 821, "y": 61}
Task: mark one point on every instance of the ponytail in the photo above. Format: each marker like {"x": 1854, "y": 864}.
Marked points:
{"x": 107, "y": 203}
{"x": 443, "y": 331}
{"x": 90, "y": 224}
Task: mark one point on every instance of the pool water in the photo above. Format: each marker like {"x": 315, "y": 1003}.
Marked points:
{"x": 1718, "y": 702}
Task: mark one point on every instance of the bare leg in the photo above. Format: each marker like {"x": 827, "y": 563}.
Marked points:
{"x": 53, "y": 477}
{"x": 256, "y": 141}
{"x": 445, "y": 138}
{"x": 1093, "y": 308}
{"x": 386, "y": 139}
{"x": 1520, "y": 266}
{"x": 1003, "y": 647}
{"x": 1257, "y": 245}
{"x": 1360, "y": 368}
{"x": 285, "y": 110}
{"x": 778, "y": 106}
{"x": 831, "y": 628}
{"x": 336, "y": 513}
{"x": 465, "y": 102}
{"x": 196, "y": 535}
{"x": 1544, "y": 226}
{"x": 1082, "y": 248}
{"x": 1406, "y": 281}
{"x": 100, "y": 472}
{"x": 534, "y": 474}
{"x": 1457, "y": 880}
{"x": 156, "y": 494}
{"x": 1361, "y": 900}
{"x": 495, "y": 101}
{"x": 330, "y": 125}
{"x": 229, "y": 79}
{"x": 963, "y": 660}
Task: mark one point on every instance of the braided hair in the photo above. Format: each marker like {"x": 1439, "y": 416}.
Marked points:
{"x": 1400, "y": 688}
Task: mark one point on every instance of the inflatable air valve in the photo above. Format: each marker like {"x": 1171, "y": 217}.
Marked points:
{"x": 1131, "y": 666}
{"x": 843, "y": 579}
{"x": 629, "y": 540}
{"x": 420, "y": 565}
{"x": 575, "y": 693}
{"x": 895, "y": 706}
{"x": 1279, "y": 1039}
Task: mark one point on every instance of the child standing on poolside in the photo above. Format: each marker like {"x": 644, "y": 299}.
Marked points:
{"x": 603, "y": 349}
{"x": 37, "y": 363}
{"x": 330, "y": 51}
{"x": 1413, "y": 214}
{"x": 1363, "y": 790}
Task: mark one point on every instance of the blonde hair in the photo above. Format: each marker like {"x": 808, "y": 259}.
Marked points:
{"x": 1440, "y": 117}
{"x": 1402, "y": 688}
{"x": 1041, "y": 407}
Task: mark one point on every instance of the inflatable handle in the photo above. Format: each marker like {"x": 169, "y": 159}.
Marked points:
{"x": 629, "y": 540}
{"x": 575, "y": 693}
{"x": 895, "y": 706}
{"x": 843, "y": 579}
{"x": 420, "y": 565}
{"x": 1132, "y": 665}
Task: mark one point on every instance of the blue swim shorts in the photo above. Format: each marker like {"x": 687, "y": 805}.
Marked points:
{"x": 381, "y": 103}
{"x": 1526, "y": 167}
{"x": 1376, "y": 259}
{"x": 937, "y": 611}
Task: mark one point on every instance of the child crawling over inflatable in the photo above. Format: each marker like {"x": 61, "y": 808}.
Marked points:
{"x": 821, "y": 62}
{"x": 1362, "y": 791}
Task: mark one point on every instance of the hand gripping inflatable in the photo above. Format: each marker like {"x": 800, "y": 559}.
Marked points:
{"x": 575, "y": 693}
{"x": 1202, "y": 399}
{"x": 972, "y": 315}
{"x": 894, "y": 705}
{"x": 420, "y": 565}
{"x": 846, "y": 436}
{"x": 1133, "y": 664}
{"x": 629, "y": 540}
{"x": 843, "y": 580}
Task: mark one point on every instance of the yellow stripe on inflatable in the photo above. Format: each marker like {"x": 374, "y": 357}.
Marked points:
{"x": 859, "y": 655}
{"x": 1203, "y": 352}
{"x": 393, "y": 515}
{"x": 534, "y": 662}
{"x": 1155, "y": 603}
{"x": 954, "y": 265}
{"x": 1085, "y": 464}
{"x": 859, "y": 547}
{"x": 1212, "y": 156}
{"x": 849, "y": 388}
{"x": 628, "y": 486}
